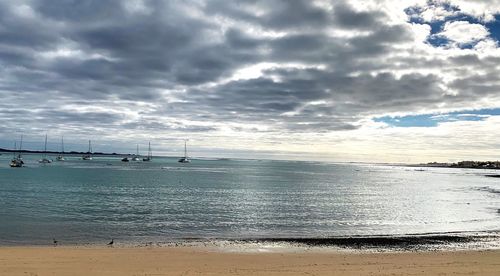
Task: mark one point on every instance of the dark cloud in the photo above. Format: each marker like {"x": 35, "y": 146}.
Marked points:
{"x": 477, "y": 85}
{"x": 151, "y": 125}
{"x": 20, "y": 30}
{"x": 287, "y": 102}
{"x": 283, "y": 14}
{"x": 466, "y": 60}
{"x": 170, "y": 66}
{"x": 276, "y": 15}
{"x": 77, "y": 11}
{"x": 346, "y": 16}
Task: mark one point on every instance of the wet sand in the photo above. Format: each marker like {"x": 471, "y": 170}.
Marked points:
{"x": 70, "y": 260}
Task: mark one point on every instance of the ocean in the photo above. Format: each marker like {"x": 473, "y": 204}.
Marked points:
{"x": 90, "y": 202}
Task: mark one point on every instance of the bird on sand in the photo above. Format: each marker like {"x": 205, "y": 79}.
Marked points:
{"x": 54, "y": 241}
{"x": 111, "y": 242}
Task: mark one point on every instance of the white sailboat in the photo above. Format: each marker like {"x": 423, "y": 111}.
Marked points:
{"x": 44, "y": 159}
{"x": 136, "y": 157}
{"x": 150, "y": 154}
{"x": 185, "y": 159}
{"x": 17, "y": 160}
{"x": 88, "y": 156}
{"x": 60, "y": 157}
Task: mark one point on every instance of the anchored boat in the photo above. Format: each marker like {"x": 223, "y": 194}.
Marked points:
{"x": 60, "y": 157}
{"x": 185, "y": 159}
{"x": 17, "y": 160}
{"x": 136, "y": 157}
{"x": 88, "y": 156}
{"x": 150, "y": 154}
{"x": 44, "y": 159}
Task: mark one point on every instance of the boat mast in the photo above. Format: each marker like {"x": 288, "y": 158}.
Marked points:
{"x": 137, "y": 151}
{"x": 20, "y": 146}
{"x": 15, "y": 148}
{"x": 185, "y": 149}
{"x": 90, "y": 148}
{"x": 45, "y": 147}
{"x": 150, "y": 154}
{"x": 62, "y": 144}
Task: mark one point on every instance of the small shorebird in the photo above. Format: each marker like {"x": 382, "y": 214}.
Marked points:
{"x": 54, "y": 241}
{"x": 111, "y": 242}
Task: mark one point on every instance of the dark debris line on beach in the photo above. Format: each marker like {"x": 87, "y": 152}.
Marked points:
{"x": 390, "y": 242}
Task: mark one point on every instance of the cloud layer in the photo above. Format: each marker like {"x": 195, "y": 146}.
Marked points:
{"x": 263, "y": 72}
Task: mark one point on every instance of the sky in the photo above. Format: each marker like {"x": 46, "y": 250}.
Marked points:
{"x": 371, "y": 81}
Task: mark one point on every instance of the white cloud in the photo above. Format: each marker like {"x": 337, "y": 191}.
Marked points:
{"x": 463, "y": 32}
{"x": 271, "y": 76}
{"x": 436, "y": 13}
{"x": 483, "y": 9}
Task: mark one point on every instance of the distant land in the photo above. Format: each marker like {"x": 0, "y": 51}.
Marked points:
{"x": 67, "y": 152}
{"x": 464, "y": 164}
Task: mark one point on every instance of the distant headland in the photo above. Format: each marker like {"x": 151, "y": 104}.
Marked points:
{"x": 66, "y": 152}
{"x": 465, "y": 164}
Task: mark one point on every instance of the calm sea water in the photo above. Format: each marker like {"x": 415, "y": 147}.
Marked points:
{"x": 92, "y": 201}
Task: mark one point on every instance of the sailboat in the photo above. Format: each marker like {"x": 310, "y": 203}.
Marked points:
{"x": 136, "y": 157}
{"x": 88, "y": 156}
{"x": 17, "y": 160}
{"x": 60, "y": 157}
{"x": 185, "y": 159}
{"x": 44, "y": 159}
{"x": 150, "y": 154}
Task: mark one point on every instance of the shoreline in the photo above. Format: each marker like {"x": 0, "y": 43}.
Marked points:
{"x": 69, "y": 260}
{"x": 447, "y": 241}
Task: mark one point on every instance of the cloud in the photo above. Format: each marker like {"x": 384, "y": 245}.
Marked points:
{"x": 484, "y": 9}
{"x": 463, "y": 32}
{"x": 345, "y": 16}
{"x": 438, "y": 10}
{"x": 432, "y": 11}
{"x": 257, "y": 71}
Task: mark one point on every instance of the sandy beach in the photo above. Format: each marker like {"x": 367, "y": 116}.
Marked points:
{"x": 43, "y": 261}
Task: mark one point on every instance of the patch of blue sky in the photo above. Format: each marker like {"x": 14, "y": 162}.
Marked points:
{"x": 437, "y": 25}
{"x": 438, "y": 41}
{"x": 432, "y": 120}
{"x": 494, "y": 27}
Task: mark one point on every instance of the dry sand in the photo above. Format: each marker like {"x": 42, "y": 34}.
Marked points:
{"x": 30, "y": 261}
